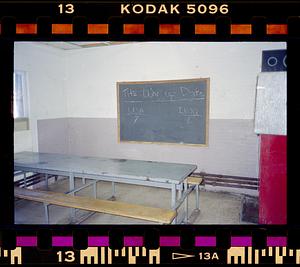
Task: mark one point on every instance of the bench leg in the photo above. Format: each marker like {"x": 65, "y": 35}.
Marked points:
{"x": 83, "y": 181}
{"x": 46, "y": 212}
{"x": 186, "y": 219}
{"x": 73, "y": 214}
{"x": 73, "y": 211}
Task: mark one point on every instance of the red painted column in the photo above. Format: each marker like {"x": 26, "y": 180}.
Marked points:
{"x": 273, "y": 180}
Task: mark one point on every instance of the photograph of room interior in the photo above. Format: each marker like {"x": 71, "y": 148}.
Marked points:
{"x": 71, "y": 165}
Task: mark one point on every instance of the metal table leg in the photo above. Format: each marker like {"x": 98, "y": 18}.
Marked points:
{"x": 180, "y": 191}
{"x": 71, "y": 181}
{"x": 173, "y": 201}
{"x": 46, "y": 180}
{"x": 197, "y": 197}
{"x": 95, "y": 189}
{"x": 186, "y": 204}
{"x": 113, "y": 188}
{"x": 173, "y": 196}
{"x": 113, "y": 195}
{"x": 72, "y": 187}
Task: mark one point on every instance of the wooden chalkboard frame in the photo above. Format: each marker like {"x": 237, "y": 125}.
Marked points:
{"x": 167, "y": 81}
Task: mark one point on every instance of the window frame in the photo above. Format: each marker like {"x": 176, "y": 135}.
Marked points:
{"x": 22, "y": 123}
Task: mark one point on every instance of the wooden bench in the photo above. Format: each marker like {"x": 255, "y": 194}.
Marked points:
{"x": 195, "y": 181}
{"x": 159, "y": 215}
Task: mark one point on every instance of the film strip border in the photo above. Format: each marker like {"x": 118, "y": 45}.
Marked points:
{"x": 139, "y": 29}
{"x": 138, "y": 241}
{"x": 9, "y": 26}
{"x": 241, "y": 251}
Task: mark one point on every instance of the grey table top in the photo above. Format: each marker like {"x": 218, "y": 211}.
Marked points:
{"x": 119, "y": 168}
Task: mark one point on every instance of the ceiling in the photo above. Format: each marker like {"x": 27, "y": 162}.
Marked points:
{"x": 79, "y": 45}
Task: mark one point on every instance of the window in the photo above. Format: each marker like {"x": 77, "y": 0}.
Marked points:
{"x": 20, "y": 102}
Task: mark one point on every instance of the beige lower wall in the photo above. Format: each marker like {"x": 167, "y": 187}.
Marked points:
{"x": 233, "y": 146}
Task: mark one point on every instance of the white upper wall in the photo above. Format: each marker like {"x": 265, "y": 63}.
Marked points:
{"x": 232, "y": 68}
{"x": 82, "y": 82}
{"x": 46, "y": 71}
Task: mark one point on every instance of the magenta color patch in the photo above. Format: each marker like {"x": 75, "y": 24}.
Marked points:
{"x": 62, "y": 241}
{"x": 276, "y": 241}
{"x": 205, "y": 241}
{"x": 169, "y": 241}
{"x": 26, "y": 241}
{"x": 241, "y": 241}
{"x": 133, "y": 241}
{"x": 98, "y": 241}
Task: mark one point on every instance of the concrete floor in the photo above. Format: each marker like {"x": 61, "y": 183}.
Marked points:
{"x": 215, "y": 207}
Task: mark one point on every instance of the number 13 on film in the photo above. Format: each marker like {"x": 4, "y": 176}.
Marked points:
{"x": 66, "y": 256}
{"x": 66, "y": 8}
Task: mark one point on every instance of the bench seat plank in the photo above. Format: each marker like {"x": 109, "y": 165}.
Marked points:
{"x": 194, "y": 180}
{"x": 104, "y": 206}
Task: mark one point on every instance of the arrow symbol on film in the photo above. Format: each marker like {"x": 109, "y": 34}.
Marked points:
{"x": 177, "y": 256}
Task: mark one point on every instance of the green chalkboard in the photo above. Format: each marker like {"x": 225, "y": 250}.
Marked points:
{"x": 173, "y": 111}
